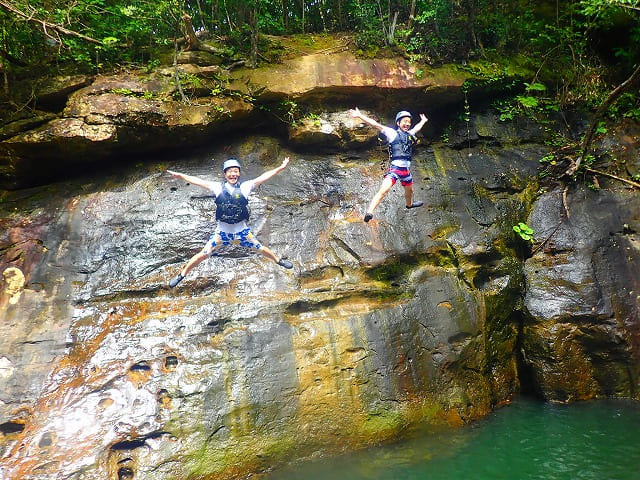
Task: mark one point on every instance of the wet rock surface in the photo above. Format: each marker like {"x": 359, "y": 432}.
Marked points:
{"x": 432, "y": 315}
{"x": 583, "y": 295}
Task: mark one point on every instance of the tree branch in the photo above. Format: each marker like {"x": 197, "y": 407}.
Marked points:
{"x": 11, "y": 59}
{"x": 46, "y": 25}
{"x": 613, "y": 96}
{"x": 610, "y": 175}
{"x": 193, "y": 42}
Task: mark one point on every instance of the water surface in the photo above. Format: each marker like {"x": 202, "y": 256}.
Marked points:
{"x": 597, "y": 440}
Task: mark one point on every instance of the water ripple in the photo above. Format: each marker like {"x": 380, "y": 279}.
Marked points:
{"x": 528, "y": 440}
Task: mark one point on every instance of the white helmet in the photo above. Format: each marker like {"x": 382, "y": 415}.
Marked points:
{"x": 232, "y": 162}
{"x": 402, "y": 114}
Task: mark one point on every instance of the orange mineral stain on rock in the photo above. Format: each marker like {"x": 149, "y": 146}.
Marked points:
{"x": 327, "y": 360}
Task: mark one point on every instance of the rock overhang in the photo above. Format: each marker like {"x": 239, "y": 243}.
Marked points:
{"x": 143, "y": 113}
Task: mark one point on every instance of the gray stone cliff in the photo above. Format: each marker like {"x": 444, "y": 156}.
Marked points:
{"x": 434, "y": 315}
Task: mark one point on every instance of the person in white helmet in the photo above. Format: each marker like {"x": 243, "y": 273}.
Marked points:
{"x": 401, "y": 141}
{"x": 232, "y": 213}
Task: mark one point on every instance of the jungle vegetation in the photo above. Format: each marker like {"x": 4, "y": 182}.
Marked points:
{"x": 594, "y": 43}
{"x": 98, "y": 34}
{"x": 584, "y": 51}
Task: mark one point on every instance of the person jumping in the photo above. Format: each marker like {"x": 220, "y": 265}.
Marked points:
{"x": 232, "y": 213}
{"x": 401, "y": 141}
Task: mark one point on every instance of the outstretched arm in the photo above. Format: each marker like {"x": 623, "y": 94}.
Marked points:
{"x": 355, "y": 113}
{"x": 190, "y": 179}
{"x": 420, "y": 124}
{"x": 270, "y": 173}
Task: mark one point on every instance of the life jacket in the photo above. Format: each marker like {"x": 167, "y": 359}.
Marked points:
{"x": 401, "y": 148}
{"x": 231, "y": 207}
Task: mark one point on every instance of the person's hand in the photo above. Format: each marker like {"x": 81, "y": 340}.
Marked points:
{"x": 172, "y": 173}
{"x": 423, "y": 117}
{"x": 355, "y": 113}
{"x": 285, "y": 162}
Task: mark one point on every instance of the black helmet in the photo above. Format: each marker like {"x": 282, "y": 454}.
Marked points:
{"x": 232, "y": 162}
{"x": 400, "y": 115}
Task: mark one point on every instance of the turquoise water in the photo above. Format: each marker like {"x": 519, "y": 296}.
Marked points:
{"x": 597, "y": 440}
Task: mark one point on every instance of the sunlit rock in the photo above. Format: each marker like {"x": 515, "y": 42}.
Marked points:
{"x": 331, "y": 133}
{"x": 430, "y": 316}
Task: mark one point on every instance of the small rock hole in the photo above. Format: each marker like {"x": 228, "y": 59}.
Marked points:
{"x": 140, "y": 367}
{"x": 46, "y": 440}
{"x": 128, "y": 444}
{"x": 125, "y": 473}
{"x": 11, "y": 427}
{"x": 171, "y": 362}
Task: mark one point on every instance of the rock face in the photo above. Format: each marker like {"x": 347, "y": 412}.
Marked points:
{"x": 432, "y": 315}
{"x": 131, "y": 114}
{"x": 584, "y": 290}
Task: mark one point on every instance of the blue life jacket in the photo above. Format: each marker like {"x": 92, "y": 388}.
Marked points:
{"x": 401, "y": 148}
{"x": 232, "y": 207}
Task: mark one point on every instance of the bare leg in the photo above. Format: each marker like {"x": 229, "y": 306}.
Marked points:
{"x": 386, "y": 185}
{"x": 267, "y": 252}
{"x": 200, "y": 257}
{"x": 408, "y": 195}
{"x": 194, "y": 261}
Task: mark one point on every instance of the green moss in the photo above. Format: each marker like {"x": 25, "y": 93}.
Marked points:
{"x": 383, "y": 423}
{"x": 503, "y": 65}
{"x": 393, "y": 270}
{"x": 238, "y": 456}
{"x": 517, "y": 210}
{"x": 293, "y": 45}
{"x": 431, "y": 412}
{"x": 399, "y": 268}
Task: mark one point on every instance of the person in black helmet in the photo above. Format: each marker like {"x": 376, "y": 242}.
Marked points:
{"x": 401, "y": 141}
{"x": 232, "y": 214}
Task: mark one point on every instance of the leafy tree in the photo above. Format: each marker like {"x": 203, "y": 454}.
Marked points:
{"x": 576, "y": 44}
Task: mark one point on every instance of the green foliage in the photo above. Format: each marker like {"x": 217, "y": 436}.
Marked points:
{"x": 190, "y": 81}
{"x": 535, "y": 87}
{"x": 528, "y": 105}
{"x": 568, "y": 43}
{"x": 524, "y": 231}
{"x": 152, "y": 65}
{"x": 314, "y": 118}
{"x": 372, "y": 31}
{"x": 627, "y": 106}
{"x": 217, "y": 91}
{"x": 589, "y": 160}
{"x": 122, "y": 91}
{"x": 549, "y": 158}
{"x": 291, "y": 108}
{"x": 601, "y": 128}
{"x": 128, "y": 93}
{"x": 527, "y": 102}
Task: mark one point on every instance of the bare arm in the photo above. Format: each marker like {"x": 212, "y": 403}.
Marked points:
{"x": 420, "y": 124}
{"x": 355, "y": 113}
{"x": 190, "y": 179}
{"x": 270, "y": 173}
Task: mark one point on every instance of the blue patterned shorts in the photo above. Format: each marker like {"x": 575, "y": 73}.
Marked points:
{"x": 244, "y": 238}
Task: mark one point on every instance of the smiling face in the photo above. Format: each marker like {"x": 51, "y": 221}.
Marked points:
{"x": 404, "y": 123}
{"x": 232, "y": 174}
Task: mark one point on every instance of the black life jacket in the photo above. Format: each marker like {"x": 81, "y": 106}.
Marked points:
{"x": 231, "y": 207}
{"x": 401, "y": 148}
